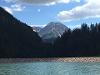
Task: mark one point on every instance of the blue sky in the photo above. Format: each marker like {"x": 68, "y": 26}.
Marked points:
{"x": 40, "y": 12}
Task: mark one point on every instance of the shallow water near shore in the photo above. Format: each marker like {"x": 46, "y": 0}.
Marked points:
{"x": 50, "y": 68}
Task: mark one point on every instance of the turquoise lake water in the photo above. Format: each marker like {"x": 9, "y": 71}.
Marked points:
{"x": 50, "y": 68}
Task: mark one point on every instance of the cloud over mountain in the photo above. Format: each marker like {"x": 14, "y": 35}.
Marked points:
{"x": 91, "y": 9}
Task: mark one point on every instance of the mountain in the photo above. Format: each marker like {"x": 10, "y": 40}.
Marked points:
{"x": 53, "y": 30}
{"x": 16, "y": 38}
{"x": 36, "y": 29}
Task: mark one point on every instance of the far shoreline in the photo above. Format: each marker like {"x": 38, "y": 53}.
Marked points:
{"x": 66, "y": 59}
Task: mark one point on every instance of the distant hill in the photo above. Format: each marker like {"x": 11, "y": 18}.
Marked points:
{"x": 53, "y": 30}
{"x": 16, "y": 38}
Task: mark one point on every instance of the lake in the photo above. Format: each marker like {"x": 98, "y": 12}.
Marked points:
{"x": 50, "y": 68}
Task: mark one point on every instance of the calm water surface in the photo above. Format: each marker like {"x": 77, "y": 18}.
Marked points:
{"x": 50, "y": 68}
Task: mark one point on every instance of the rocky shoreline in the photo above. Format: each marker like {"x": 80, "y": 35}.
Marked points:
{"x": 27, "y": 60}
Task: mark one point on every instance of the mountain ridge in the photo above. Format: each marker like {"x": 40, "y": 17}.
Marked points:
{"x": 52, "y": 30}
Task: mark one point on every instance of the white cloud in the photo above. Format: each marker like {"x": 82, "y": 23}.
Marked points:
{"x": 74, "y": 26}
{"x": 8, "y": 10}
{"x": 17, "y": 7}
{"x": 35, "y": 25}
{"x": 41, "y": 2}
{"x": 91, "y": 9}
{"x": 13, "y": 8}
{"x": 76, "y": 0}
